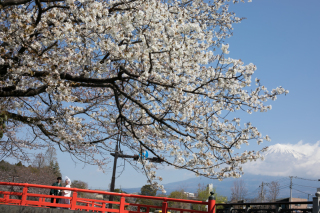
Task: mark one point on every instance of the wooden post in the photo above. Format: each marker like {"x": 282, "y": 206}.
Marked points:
{"x": 24, "y": 196}
{"x": 73, "y": 203}
{"x": 164, "y": 207}
{"x": 122, "y": 202}
{"x": 316, "y": 203}
{"x": 211, "y": 204}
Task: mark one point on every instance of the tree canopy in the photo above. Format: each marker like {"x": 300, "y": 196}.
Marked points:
{"x": 148, "y": 190}
{"x": 26, "y": 174}
{"x": 203, "y": 194}
{"x": 178, "y": 194}
{"x": 152, "y": 74}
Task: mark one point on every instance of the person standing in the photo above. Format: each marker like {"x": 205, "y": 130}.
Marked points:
{"x": 66, "y": 193}
{"x": 56, "y": 192}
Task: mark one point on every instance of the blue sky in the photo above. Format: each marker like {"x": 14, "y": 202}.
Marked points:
{"x": 281, "y": 37}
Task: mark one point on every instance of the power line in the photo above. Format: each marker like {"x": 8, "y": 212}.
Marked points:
{"x": 301, "y": 191}
{"x": 305, "y": 186}
{"x": 253, "y": 191}
{"x": 281, "y": 179}
{"x": 284, "y": 187}
{"x": 277, "y": 180}
{"x": 306, "y": 179}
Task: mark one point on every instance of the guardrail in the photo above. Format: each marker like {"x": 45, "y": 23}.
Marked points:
{"x": 95, "y": 205}
{"x": 265, "y": 207}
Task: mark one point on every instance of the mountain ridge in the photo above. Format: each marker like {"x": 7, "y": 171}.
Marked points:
{"x": 285, "y": 149}
{"x": 279, "y": 159}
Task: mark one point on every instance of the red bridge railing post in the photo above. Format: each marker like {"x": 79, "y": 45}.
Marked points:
{"x": 211, "y": 203}
{"x": 122, "y": 202}
{"x": 6, "y": 198}
{"x": 87, "y": 205}
{"x": 74, "y": 201}
{"x": 164, "y": 206}
{"x": 24, "y": 196}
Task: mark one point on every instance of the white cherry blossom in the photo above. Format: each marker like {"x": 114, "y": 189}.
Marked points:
{"x": 80, "y": 74}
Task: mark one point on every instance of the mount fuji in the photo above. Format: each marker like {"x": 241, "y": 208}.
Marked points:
{"x": 281, "y": 161}
{"x": 285, "y": 150}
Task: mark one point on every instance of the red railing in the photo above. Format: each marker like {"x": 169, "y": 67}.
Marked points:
{"x": 77, "y": 203}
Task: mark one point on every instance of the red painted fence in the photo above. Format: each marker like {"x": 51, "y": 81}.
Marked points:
{"x": 77, "y": 203}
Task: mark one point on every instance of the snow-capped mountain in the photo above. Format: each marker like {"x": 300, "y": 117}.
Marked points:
{"x": 284, "y": 150}
{"x": 281, "y": 161}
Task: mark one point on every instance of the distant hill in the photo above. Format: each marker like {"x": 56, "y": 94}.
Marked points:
{"x": 279, "y": 159}
{"x": 222, "y": 187}
{"x": 301, "y": 188}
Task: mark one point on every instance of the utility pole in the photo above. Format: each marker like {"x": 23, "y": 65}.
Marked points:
{"x": 290, "y": 190}
{"x": 308, "y": 199}
{"x": 262, "y": 192}
{"x": 117, "y": 155}
{"x": 113, "y": 179}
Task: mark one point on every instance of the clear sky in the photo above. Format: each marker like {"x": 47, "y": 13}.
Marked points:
{"x": 281, "y": 37}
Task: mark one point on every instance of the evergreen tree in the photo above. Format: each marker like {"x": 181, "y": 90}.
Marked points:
{"x": 19, "y": 164}
{"x": 56, "y": 169}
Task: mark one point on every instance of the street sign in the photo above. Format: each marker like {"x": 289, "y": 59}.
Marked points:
{"x": 144, "y": 155}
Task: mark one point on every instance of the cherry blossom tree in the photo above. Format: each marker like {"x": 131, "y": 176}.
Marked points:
{"x": 152, "y": 74}
{"x": 26, "y": 174}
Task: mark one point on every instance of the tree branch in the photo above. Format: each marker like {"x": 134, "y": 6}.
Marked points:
{"x": 23, "y": 93}
{"x": 7, "y": 3}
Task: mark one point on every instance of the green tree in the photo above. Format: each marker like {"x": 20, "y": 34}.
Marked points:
{"x": 115, "y": 198}
{"x": 80, "y": 185}
{"x": 203, "y": 195}
{"x": 148, "y": 191}
{"x": 19, "y": 164}
{"x": 179, "y": 195}
{"x": 119, "y": 191}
